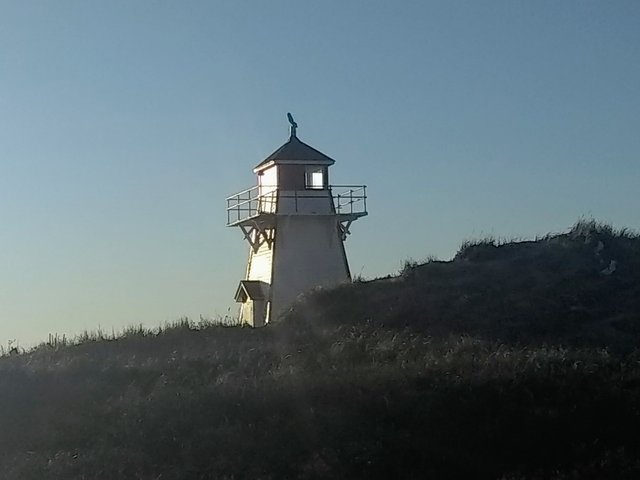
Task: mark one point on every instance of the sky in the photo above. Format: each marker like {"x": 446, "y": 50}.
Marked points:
{"x": 125, "y": 125}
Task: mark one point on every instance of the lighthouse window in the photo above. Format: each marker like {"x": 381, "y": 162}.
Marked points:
{"x": 314, "y": 178}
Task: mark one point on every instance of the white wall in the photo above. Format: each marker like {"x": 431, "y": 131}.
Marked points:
{"x": 305, "y": 202}
{"x": 259, "y": 265}
{"x": 246, "y": 312}
{"x": 308, "y": 253}
{"x": 268, "y": 184}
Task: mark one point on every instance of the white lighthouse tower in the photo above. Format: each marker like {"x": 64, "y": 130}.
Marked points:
{"x": 296, "y": 224}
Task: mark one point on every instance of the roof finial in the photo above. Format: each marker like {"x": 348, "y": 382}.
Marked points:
{"x": 293, "y": 123}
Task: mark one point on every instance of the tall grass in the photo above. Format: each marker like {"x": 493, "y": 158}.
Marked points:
{"x": 518, "y": 362}
{"x": 347, "y": 402}
{"x": 62, "y": 341}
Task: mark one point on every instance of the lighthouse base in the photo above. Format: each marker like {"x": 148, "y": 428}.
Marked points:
{"x": 308, "y": 253}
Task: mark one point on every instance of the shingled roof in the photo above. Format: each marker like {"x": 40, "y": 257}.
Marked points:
{"x": 296, "y": 151}
{"x": 253, "y": 289}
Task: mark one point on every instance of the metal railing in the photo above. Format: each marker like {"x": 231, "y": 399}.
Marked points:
{"x": 351, "y": 199}
{"x": 250, "y": 203}
{"x": 261, "y": 199}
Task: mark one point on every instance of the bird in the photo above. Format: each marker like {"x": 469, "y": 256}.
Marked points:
{"x": 293, "y": 123}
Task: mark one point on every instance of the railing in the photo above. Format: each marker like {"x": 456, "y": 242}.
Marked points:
{"x": 250, "y": 203}
{"x": 351, "y": 199}
{"x": 261, "y": 199}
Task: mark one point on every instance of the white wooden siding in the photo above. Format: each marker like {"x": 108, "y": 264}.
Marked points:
{"x": 305, "y": 202}
{"x": 259, "y": 266}
{"x": 308, "y": 253}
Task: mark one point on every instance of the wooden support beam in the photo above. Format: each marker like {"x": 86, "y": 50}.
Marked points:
{"x": 344, "y": 228}
{"x": 257, "y": 235}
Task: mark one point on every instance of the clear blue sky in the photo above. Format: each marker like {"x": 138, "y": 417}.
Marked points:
{"x": 124, "y": 125}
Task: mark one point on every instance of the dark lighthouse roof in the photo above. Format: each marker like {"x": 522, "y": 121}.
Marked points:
{"x": 295, "y": 152}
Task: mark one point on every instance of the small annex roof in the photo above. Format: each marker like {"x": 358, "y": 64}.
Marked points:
{"x": 252, "y": 289}
{"x": 295, "y": 151}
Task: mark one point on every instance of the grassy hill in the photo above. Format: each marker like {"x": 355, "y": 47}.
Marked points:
{"x": 512, "y": 361}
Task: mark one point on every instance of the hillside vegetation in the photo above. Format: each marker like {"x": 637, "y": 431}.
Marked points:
{"x": 512, "y": 361}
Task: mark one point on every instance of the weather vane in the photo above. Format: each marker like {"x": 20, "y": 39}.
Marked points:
{"x": 293, "y": 123}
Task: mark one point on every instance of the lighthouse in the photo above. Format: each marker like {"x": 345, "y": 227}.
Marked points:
{"x": 296, "y": 224}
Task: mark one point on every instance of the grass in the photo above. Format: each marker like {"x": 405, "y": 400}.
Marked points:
{"x": 519, "y": 364}
{"x": 57, "y": 341}
{"x": 352, "y": 402}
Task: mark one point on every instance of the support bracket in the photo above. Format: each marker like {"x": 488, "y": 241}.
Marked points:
{"x": 344, "y": 227}
{"x": 257, "y": 235}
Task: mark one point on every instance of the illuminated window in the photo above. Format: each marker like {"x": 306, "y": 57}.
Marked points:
{"x": 314, "y": 178}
